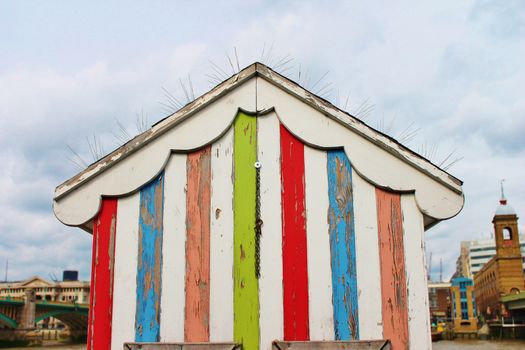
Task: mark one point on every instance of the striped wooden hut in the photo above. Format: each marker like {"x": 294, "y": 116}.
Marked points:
{"x": 259, "y": 215}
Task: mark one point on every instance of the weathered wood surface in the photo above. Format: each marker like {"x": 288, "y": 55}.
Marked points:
{"x": 197, "y": 307}
{"x": 102, "y": 272}
{"x": 392, "y": 262}
{"x": 270, "y": 282}
{"x": 342, "y": 246}
{"x": 147, "y": 318}
{"x": 125, "y": 281}
{"x": 181, "y": 346}
{"x": 295, "y": 268}
{"x": 414, "y": 242}
{"x": 333, "y": 345}
{"x": 318, "y": 239}
{"x": 367, "y": 262}
{"x": 221, "y": 241}
{"x": 174, "y": 243}
{"x": 246, "y": 293}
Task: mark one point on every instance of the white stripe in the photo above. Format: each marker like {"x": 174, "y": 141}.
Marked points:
{"x": 318, "y": 240}
{"x": 125, "y": 277}
{"x": 173, "y": 248}
{"x": 367, "y": 262}
{"x": 221, "y": 240}
{"x": 271, "y": 281}
{"x": 413, "y": 239}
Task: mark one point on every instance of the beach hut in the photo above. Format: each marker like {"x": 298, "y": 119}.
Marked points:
{"x": 257, "y": 216}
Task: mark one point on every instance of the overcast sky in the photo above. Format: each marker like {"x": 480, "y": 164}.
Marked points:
{"x": 69, "y": 70}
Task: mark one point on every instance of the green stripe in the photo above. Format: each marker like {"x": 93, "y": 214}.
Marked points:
{"x": 246, "y": 296}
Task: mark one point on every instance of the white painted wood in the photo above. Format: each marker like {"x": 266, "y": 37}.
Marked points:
{"x": 271, "y": 280}
{"x": 173, "y": 251}
{"x": 221, "y": 240}
{"x": 318, "y": 245}
{"x": 369, "y": 157}
{"x": 125, "y": 275}
{"x": 418, "y": 311}
{"x": 131, "y": 172}
{"x": 367, "y": 259}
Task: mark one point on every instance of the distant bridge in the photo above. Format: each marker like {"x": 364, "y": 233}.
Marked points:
{"x": 19, "y": 316}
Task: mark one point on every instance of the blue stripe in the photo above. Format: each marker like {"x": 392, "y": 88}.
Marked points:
{"x": 342, "y": 246}
{"x": 149, "y": 269}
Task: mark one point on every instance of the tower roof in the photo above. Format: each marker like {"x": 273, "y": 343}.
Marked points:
{"x": 504, "y": 208}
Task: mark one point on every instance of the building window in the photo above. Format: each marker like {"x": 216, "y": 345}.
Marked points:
{"x": 507, "y": 234}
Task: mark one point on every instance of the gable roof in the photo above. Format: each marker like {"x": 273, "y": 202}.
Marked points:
{"x": 270, "y": 88}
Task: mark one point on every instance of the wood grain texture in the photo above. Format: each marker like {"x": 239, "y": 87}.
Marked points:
{"x": 197, "y": 309}
{"x": 221, "y": 240}
{"x": 295, "y": 267}
{"x": 331, "y": 345}
{"x": 342, "y": 246}
{"x": 126, "y": 245}
{"x": 414, "y": 242}
{"x": 174, "y": 242}
{"x": 149, "y": 269}
{"x": 367, "y": 259}
{"x": 246, "y": 286}
{"x": 271, "y": 281}
{"x": 393, "y": 276}
{"x": 103, "y": 258}
{"x": 318, "y": 239}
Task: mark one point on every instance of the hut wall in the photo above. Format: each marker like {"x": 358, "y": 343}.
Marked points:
{"x": 337, "y": 258}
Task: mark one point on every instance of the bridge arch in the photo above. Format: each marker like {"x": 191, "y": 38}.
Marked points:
{"x": 7, "y": 322}
{"x": 75, "y": 320}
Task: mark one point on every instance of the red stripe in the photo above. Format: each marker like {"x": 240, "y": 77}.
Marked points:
{"x": 295, "y": 270}
{"x": 393, "y": 277}
{"x": 101, "y": 296}
{"x": 197, "y": 308}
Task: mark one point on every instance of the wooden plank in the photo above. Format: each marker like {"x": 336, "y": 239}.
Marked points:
{"x": 179, "y": 346}
{"x": 246, "y": 296}
{"x": 393, "y": 278}
{"x": 174, "y": 242}
{"x": 197, "y": 309}
{"x": 270, "y": 282}
{"x": 318, "y": 240}
{"x": 126, "y": 245}
{"x": 367, "y": 261}
{"x": 295, "y": 267}
{"x": 149, "y": 269}
{"x": 418, "y": 310}
{"x": 221, "y": 241}
{"x": 342, "y": 246}
{"x": 103, "y": 258}
{"x": 331, "y": 345}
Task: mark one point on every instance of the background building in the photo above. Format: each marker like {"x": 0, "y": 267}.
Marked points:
{"x": 463, "y": 305}
{"x": 503, "y": 274}
{"x": 439, "y": 301}
{"x": 63, "y": 291}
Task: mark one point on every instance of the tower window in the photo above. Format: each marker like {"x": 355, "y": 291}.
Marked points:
{"x": 507, "y": 234}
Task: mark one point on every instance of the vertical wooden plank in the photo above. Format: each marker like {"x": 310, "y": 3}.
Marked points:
{"x": 197, "y": 310}
{"x": 174, "y": 243}
{"x": 342, "y": 246}
{"x": 270, "y": 282}
{"x": 246, "y": 296}
{"x": 149, "y": 269}
{"x": 418, "y": 311}
{"x": 318, "y": 239}
{"x": 393, "y": 278}
{"x": 295, "y": 267}
{"x": 367, "y": 259}
{"x": 221, "y": 240}
{"x": 101, "y": 299}
{"x": 126, "y": 245}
